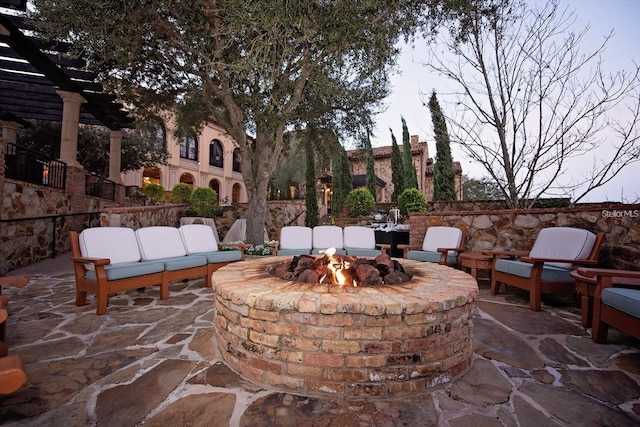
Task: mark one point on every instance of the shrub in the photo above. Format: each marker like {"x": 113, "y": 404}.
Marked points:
{"x": 181, "y": 193}
{"x": 412, "y": 200}
{"x": 155, "y": 192}
{"x": 204, "y": 202}
{"x": 360, "y": 202}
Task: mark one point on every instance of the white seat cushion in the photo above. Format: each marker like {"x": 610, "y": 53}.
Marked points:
{"x": 356, "y": 237}
{"x": 563, "y": 243}
{"x": 327, "y": 236}
{"x": 198, "y": 238}
{"x": 119, "y": 244}
{"x": 442, "y": 237}
{"x": 296, "y": 237}
{"x": 160, "y": 242}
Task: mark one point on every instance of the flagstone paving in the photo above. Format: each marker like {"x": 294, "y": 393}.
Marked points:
{"x": 155, "y": 363}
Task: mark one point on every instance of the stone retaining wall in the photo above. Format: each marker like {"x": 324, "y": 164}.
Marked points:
{"x": 518, "y": 229}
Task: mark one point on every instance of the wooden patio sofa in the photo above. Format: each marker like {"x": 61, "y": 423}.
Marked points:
{"x": 108, "y": 260}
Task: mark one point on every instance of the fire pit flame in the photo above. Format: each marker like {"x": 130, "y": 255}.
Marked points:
{"x": 338, "y": 269}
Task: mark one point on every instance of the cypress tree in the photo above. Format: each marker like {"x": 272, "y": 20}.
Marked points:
{"x": 342, "y": 181}
{"x": 371, "y": 174}
{"x": 312, "y": 215}
{"x": 410, "y": 177}
{"x": 397, "y": 169}
{"x": 444, "y": 181}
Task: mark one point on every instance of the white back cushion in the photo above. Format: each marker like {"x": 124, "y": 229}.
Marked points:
{"x": 563, "y": 243}
{"x": 159, "y": 242}
{"x": 327, "y": 236}
{"x": 442, "y": 237}
{"x": 359, "y": 237}
{"x": 295, "y": 237}
{"x": 198, "y": 238}
{"x": 116, "y": 243}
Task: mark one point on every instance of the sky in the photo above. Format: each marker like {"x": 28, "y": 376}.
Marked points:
{"x": 414, "y": 84}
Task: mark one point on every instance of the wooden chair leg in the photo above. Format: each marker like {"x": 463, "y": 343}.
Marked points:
{"x": 12, "y": 374}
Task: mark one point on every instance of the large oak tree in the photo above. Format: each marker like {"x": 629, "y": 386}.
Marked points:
{"x": 250, "y": 66}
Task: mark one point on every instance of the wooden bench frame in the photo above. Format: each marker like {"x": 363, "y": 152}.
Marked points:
{"x": 102, "y": 286}
{"x": 534, "y": 283}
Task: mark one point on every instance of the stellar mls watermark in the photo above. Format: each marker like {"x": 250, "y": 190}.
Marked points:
{"x": 621, "y": 213}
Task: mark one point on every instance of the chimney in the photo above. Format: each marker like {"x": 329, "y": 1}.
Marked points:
{"x": 414, "y": 139}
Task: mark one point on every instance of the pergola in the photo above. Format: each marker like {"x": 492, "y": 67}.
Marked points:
{"x": 37, "y": 81}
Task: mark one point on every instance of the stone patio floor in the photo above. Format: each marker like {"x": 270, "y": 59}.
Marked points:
{"x": 155, "y": 363}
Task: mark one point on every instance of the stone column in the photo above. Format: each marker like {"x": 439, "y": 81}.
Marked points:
{"x": 70, "y": 121}
{"x": 115, "y": 155}
{"x": 10, "y": 130}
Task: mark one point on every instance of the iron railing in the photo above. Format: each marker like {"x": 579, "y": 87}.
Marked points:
{"x": 26, "y": 165}
{"x": 98, "y": 186}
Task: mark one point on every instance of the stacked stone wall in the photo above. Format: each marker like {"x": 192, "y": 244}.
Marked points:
{"x": 518, "y": 229}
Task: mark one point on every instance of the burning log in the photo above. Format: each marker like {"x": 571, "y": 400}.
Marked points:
{"x": 342, "y": 270}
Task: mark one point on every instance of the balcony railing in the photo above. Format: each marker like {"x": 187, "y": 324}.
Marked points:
{"x": 27, "y": 165}
{"x": 98, "y": 186}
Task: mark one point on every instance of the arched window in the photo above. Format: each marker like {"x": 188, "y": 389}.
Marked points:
{"x": 236, "y": 160}
{"x": 189, "y": 148}
{"x": 187, "y": 178}
{"x": 214, "y": 184}
{"x": 153, "y": 130}
{"x": 235, "y": 193}
{"x": 150, "y": 175}
{"x": 216, "y": 155}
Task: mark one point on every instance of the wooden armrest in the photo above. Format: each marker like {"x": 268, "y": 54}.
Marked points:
{"x": 505, "y": 254}
{"x": 12, "y": 374}
{"x": 445, "y": 250}
{"x": 98, "y": 262}
{"x": 569, "y": 261}
{"x": 17, "y": 281}
{"x": 593, "y": 272}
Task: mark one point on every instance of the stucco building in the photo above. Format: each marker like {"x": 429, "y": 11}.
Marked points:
{"x": 210, "y": 159}
{"x": 382, "y": 167}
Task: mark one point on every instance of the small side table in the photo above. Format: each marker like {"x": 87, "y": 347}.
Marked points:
{"x": 474, "y": 262}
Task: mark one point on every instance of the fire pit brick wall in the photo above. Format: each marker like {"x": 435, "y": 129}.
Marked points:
{"x": 329, "y": 340}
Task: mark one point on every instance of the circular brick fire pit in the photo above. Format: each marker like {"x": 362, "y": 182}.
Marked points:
{"x": 387, "y": 340}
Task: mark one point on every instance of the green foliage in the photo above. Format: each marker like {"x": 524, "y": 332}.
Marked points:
{"x": 342, "y": 181}
{"x": 137, "y": 150}
{"x": 371, "y": 174}
{"x": 360, "y": 202}
{"x": 410, "y": 176}
{"x": 412, "y": 200}
{"x": 256, "y": 67}
{"x": 484, "y": 188}
{"x": 181, "y": 193}
{"x": 397, "y": 169}
{"x": 155, "y": 192}
{"x": 312, "y": 216}
{"x": 204, "y": 202}
{"x": 444, "y": 179}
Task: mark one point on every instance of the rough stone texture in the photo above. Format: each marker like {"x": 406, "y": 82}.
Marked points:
{"x": 64, "y": 390}
{"x": 518, "y": 229}
{"x": 482, "y": 376}
{"x": 511, "y": 349}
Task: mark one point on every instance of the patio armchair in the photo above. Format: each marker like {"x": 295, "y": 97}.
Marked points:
{"x": 328, "y": 236}
{"x": 547, "y": 267}
{"x": 360, "y": 241}
{"x": 440, "y": 245}
{"x": 616, "y": 301}
{"x": 294, "y": 240}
